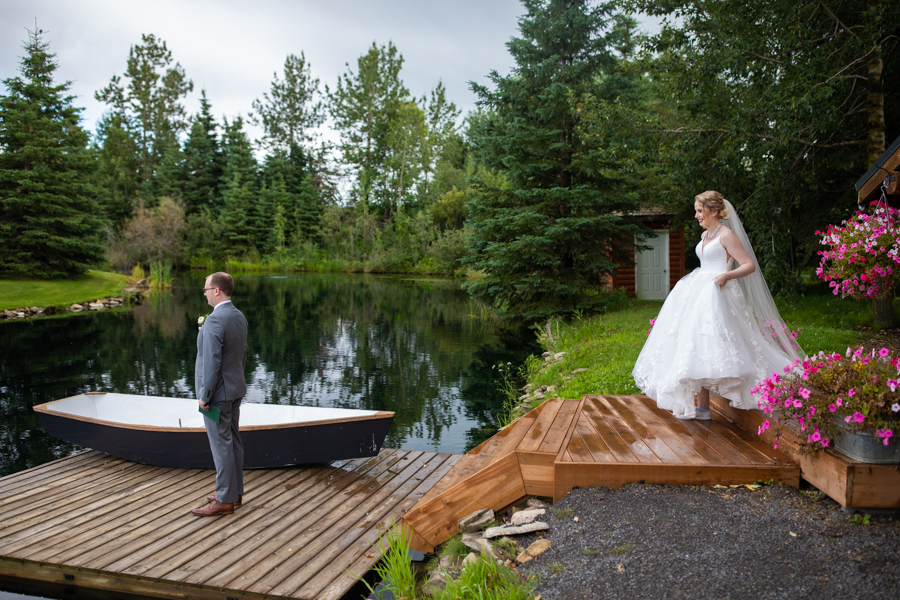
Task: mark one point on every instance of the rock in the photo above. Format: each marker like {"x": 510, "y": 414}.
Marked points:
{"x": 546, "y": 354}
{"x": 476, "y": 520}
{"x": 477, "y": 542}
{"x": 559, "y": 355}
{"x": 536, "y": 549}
{"x": 21, "y": 315}
{"x": 37, "y": 310}
{"x": 536, "y": 503}
{"x": 526, "y": 516}
{"x": 96, "y": 306}
{"x": 435, "y": 583}
{"x": 470, "y": 558}
{"x": 515, "y": 529}
{"x": 75, "y": 307}
{"x": 551, "y": 388}
{"x": 577, "y": 371}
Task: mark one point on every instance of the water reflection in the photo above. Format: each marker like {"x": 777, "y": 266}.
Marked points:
{"x": 380, "y": 343}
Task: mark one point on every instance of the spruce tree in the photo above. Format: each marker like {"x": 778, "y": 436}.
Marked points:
{"x": 239, "y": 214}
{"x": 202, "y": 162}
{"x": 49, "y": 221}
{"x": 548, "y": 232}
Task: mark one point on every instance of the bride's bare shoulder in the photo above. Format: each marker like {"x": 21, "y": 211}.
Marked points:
{"x": 727, "y": 234}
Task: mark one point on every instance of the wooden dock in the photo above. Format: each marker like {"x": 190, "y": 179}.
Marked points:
{"x": 598, "y": 440}
{"x": 95, "y": 521}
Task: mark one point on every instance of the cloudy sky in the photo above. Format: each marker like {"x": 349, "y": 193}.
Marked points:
{"x": 232, "y": 48}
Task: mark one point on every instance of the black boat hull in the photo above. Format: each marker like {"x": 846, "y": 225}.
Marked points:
{"x": 263, "y": 447}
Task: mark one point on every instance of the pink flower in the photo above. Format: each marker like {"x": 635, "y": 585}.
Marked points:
{"x": 859, "y": 417}
{"x": 847, "y": 419}
{"x": 798, "y": 404}
{"x": 824, "y": 442}
{"x": 884, "y": 352}
{"x": 816, "y": 436}
{"x": 805, "y": 393}
{"x": 839, "y": 401}
{"x": 832, "y": 407}
{"x": 851, "y": 392}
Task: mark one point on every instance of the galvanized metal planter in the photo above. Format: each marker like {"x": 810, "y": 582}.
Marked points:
{"x": 865, "y": 446}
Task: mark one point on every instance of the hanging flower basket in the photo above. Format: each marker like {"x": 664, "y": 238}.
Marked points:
{"x": 862, "y": 255}
{"x": 830, "y": 397}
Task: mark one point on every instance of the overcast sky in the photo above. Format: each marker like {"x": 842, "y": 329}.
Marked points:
{"x": 232, "y": 48}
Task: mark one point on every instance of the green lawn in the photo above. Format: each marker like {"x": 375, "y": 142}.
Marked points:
{"x": 608, "y": 345}
{"x": 16, "y": 293}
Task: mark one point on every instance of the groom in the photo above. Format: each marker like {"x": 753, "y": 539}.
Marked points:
{"x": 219, "y": 381}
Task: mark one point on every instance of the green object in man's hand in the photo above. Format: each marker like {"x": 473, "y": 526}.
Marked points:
{"x": 213, "y": 413}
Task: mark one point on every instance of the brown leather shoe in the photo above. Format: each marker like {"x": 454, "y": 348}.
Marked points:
{"x": 214, "y": 508}
{"x": 236, "y": 504}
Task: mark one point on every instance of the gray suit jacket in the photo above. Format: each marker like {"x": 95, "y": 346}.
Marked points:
{"x": 221, "y": 356}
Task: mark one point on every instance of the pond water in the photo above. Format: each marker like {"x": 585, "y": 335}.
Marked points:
{"x": 401, "y": 344}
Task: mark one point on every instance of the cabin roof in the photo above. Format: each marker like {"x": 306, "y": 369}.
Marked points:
{"x": 869, "y": 184}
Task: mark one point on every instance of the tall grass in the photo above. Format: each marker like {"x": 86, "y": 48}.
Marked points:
{"x": 484, "y": 579}
{"x": 160, "y": 274}
{"x": 395, "y": 567}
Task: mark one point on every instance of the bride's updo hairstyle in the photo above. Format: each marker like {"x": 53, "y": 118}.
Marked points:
{"x": 712, "y": 200}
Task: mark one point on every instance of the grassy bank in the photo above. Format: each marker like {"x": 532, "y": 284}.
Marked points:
{"x": 17, "y": 293}
{"x": 604, "y": 348}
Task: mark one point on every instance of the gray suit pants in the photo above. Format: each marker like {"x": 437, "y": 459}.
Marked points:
{"x": 227, "y": 450}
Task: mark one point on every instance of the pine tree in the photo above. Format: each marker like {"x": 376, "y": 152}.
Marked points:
{"x": 545, "y": 237}
{"x": 49, "y": 221}
{"x": 363, "y": 106}
{"x": 149, "y": 106}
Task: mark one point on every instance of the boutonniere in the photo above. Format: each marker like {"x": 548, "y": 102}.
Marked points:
{"x": 202, "y": 319}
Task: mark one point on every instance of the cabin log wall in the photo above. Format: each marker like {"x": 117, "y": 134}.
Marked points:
{"x": 625, "y": 276}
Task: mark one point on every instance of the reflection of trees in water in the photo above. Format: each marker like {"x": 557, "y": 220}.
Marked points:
{"x": 377, "y": 343}
{"x": 366, "y": 342}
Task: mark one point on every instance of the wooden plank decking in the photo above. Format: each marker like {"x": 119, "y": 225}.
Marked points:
{"x": 598, "y": 440}
{"x": 100, "y": 522}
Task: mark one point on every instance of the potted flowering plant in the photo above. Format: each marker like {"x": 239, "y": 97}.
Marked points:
{"x": 862, "y": 259}
{"x": 851, "y": 402}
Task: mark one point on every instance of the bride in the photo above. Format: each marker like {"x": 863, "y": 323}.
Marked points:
{"x": 719, "y": 330}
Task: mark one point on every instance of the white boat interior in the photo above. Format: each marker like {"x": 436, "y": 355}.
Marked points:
{"x": 157, "y": 411}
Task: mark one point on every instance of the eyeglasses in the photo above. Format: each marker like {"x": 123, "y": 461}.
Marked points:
{"x": 207, "y": 289}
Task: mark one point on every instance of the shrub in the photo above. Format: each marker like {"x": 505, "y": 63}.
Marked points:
{"x": 152, "y": 234}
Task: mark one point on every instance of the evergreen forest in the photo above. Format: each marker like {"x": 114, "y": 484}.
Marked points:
{"x": 535, "y": 196}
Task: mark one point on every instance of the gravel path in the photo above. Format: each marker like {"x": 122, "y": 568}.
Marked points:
{"x": 652, "y": 541}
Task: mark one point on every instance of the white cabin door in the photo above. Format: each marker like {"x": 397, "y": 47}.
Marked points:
{"x": 651, "y": 268}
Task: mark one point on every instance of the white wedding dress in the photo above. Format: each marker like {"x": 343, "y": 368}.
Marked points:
{"x": 707, "y": 336}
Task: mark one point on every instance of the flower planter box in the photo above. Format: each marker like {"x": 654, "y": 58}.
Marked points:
{"x": 851, "y": 483}
{"x": 863, "y": 446}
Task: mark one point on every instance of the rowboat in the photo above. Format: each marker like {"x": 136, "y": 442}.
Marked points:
{"x": 169, "y": 432}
